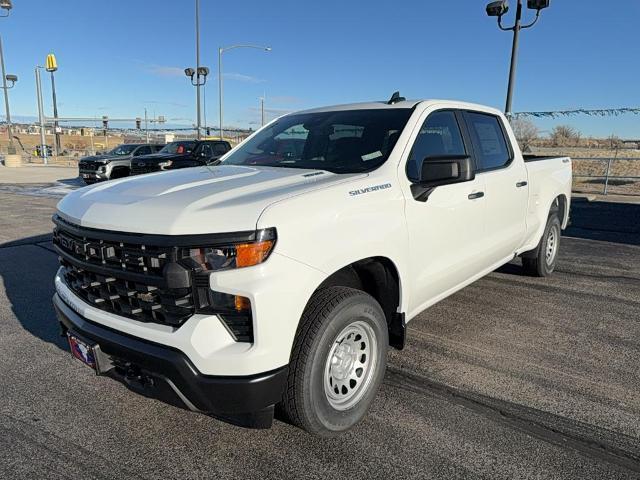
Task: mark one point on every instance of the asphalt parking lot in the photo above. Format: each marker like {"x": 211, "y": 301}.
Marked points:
{"x": 512, "y": 377}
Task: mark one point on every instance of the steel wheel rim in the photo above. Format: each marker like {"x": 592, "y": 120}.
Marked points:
{"x": 350, "y": 365}
{"x": 552, "y": 246}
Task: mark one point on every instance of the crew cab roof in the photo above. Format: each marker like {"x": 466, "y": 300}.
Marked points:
{"x": 404, "y": 104}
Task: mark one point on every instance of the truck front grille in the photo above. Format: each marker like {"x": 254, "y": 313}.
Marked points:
{"x": 126, "y": 279}
{"x": 87, "y": 167}
{"x": 139, "y": 170}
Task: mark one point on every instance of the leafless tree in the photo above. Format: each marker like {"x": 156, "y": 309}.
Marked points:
{"x": 564, "y": 135}
{"x": 526, "y": 132}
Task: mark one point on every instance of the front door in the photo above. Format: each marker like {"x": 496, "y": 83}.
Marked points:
{"x": 446, "y": 232}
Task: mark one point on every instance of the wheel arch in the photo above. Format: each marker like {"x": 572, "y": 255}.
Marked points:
{"x": 379, "y": 277}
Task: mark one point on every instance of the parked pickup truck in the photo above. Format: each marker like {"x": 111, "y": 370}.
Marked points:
{"x": 280, "y": 277}
{"x": 114, "y": 164}
{"x": 181, "y": 154}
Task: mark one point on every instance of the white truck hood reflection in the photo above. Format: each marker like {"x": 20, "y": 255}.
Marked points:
{"x": 191, "y": 200}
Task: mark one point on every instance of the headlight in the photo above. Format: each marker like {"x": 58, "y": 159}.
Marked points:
{"x": 236, "y": 255}
{"x": 166, "y": 163}
{"x": 234, "y": 310}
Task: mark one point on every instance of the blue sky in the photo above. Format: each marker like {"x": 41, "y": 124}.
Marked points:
{"x": 118, "y": 57}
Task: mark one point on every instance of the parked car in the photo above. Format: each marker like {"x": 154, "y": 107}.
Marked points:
{"x": 281, "y": 277}
{"x": 115, "y": 163}
{"x": 181, "y": 154}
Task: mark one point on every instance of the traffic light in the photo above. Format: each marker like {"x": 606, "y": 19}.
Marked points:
{"x": 138, "y": 123}
{"x": 105, "y": 125}
{"x": 208, "y": 131}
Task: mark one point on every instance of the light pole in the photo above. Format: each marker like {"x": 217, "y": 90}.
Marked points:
{"x": 7, "y": 6}
{"x": 43, "y": 146}
{"x": 498, "y": 9}
{"x": 52, "y": 66}
{"x": 13, "y": 79}
{"x": 200, "y": 79}
{"x": 221, "y": 50}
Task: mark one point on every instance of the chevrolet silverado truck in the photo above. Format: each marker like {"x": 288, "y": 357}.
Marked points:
{"x": 278, "y": 279}
{"x": 114, "y": 164}
{"x": 181, "y": 154}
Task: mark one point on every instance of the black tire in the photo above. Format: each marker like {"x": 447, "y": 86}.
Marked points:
{"x": 540, "y": 262}
{"x": 330, "y": 312}
{"x": 119, "y": 173}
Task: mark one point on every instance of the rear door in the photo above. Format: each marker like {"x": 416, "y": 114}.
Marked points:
{"x": 446, "y": 231}
{"x": 505, "y": 179}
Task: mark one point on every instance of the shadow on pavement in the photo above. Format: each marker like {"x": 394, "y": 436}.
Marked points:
{"x": 27, "y": 270}
{"x": 606, "y": 221}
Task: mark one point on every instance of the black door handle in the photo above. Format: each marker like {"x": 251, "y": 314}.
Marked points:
{"x": 473, "y": 196}
{"x": 521, "y": 184}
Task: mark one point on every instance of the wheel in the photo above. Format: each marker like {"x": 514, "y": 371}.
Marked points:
{"x": 338, "y": 361}
{"x": 542, "y": 261}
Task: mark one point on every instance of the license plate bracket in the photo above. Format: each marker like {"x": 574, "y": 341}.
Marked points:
{"x": 89, "y": 353}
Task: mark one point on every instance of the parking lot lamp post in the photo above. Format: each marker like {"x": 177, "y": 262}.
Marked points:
{"x": 498, "y": 9}
{"x": 43, "y": 146}
{"x": 221, "y": 50}
{"x": 13, "y": 79}
{"x": 7, "y": 6}
{"x": 51, "y": 67}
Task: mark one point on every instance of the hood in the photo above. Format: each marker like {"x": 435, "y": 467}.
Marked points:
{"x": 221, "y": 199}
{"x": 96, "y": 158}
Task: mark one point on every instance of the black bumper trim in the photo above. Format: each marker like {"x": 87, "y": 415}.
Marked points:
{"x": 223, "y": 396}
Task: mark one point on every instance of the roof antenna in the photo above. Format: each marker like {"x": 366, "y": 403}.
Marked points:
{"x": 395, "y": 98}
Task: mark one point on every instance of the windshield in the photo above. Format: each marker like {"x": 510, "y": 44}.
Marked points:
{"x": 123, "y": 150}
{"x": 347, "y": 141}
{"x": 178, "y": 148}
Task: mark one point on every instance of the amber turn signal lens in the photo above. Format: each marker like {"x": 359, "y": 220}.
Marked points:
{"x": 242, "y": 304}
{"x": 248, "y": 254}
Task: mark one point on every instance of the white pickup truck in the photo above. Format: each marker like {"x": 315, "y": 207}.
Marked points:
{"x": 279, "y": 278}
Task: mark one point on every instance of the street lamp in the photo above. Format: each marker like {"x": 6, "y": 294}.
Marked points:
{"x": 200, "y": 74}
{"x": 6, "y": 5}
{"x": 221, "y": 50}
{"x": 13, "y": 79}
{"x": 498, "y": 9}
{"x": 52, "y": 66}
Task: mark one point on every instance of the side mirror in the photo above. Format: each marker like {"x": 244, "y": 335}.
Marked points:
{"x": 442, "y": 170}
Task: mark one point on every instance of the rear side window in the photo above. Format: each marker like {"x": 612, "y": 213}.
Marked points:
{"x": 220, "y": 148}
{"x": 489, "y": 144}
{"x": 439, "y": 136}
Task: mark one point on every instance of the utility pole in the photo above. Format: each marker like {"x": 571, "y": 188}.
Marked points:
{"x": 43, "y": 145}
{"x": 262, "y": 111}
{"x": 146, "y": 124}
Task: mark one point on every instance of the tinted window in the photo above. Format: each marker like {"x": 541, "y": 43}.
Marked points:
{"x": 220, "y": 149}
{"x": 143, "y": 151}
{"x": 205, "y": 150}
{"x": 490, "y": 146}
{"x": 341, "y": 141}
{"x": 439, "y": 136}
{"x": 179, "y": 148}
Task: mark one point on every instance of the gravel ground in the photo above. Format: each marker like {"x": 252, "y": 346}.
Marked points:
{"x": 512, "y": 377}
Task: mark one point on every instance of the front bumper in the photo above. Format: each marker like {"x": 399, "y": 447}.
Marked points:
{"x": 93, "y": 176}
{"x": 166, "y": 373}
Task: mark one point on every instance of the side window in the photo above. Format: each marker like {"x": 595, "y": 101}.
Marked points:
{"x": 220, "y": 149}
{"x": 142, "y": 151}
{"x": 489, "y": 144}
{"x": 205, "y": 150}
{"x": 439, "y": 136}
